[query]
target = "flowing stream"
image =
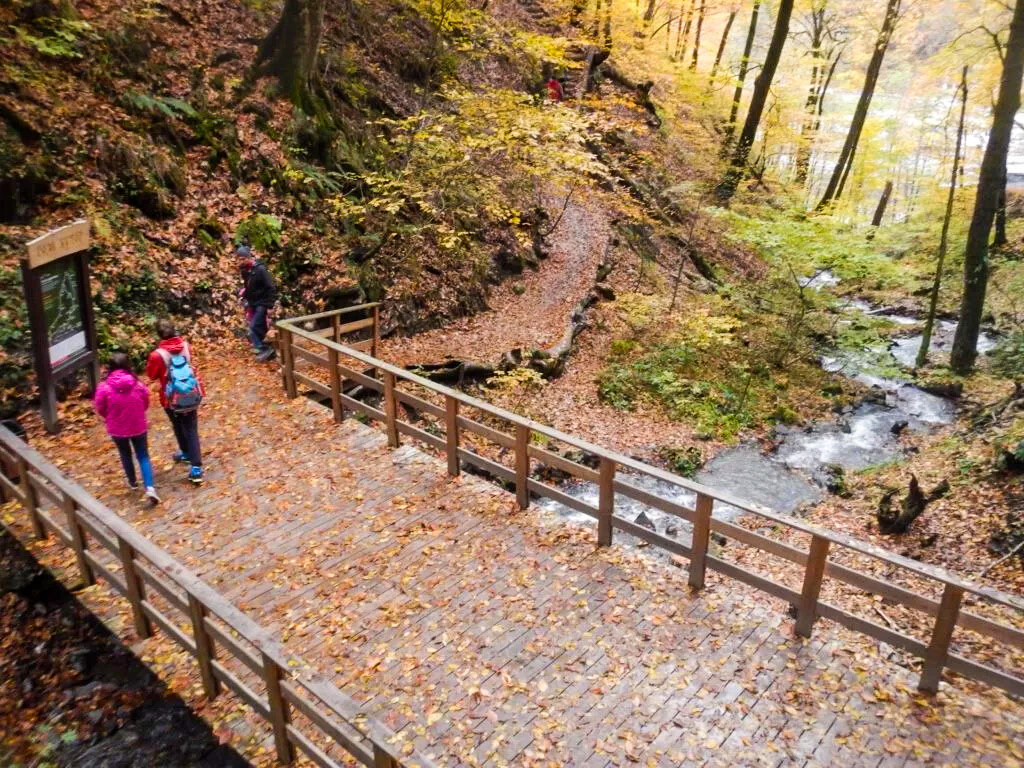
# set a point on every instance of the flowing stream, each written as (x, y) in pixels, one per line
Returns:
(797, 473)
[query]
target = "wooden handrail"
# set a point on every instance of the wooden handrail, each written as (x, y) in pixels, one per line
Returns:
(858, 545)
(129, 548)
(816, 562)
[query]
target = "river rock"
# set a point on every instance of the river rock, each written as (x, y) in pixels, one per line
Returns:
(645, 521)
(671, 530)
(899, 426)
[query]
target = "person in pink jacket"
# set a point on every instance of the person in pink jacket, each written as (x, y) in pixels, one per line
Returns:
(122, 401)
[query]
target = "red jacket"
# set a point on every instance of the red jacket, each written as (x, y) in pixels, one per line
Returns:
(156, 368)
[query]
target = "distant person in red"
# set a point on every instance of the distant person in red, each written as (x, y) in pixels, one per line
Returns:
(555, 90)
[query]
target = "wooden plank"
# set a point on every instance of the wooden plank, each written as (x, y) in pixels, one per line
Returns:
(495, 436)
(231, 645)
(153, 578)
(361, 346)
(419, 404)
(288, 363)
(100, 569)
(554, 494)
(335, 374)
(491, 467)
(309, 356)
(335, 328)
(309, 749)
(356, 325)
(240, 689)
(606, 503)
(762, 583)
(813, 573)
(60, 242)
(29, 499)
(552, 459)
(342, 733)
(986, 675)
(382, 758)
(522, 466)
(169, 627)
(869, 628)
(272, 675)
(360, 378)
(651, 500)
(451, 442)
(942, 634)
(334, 312)
(316, 386)
(134, 589)
(375, 345)
(358, 405)
(701, 532)
(422, 435)
(651, 537)
(390, 410)
(44, 489)
(205, 651)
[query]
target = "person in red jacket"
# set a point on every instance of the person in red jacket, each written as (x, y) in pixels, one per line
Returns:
(185, 425)
(555, 90)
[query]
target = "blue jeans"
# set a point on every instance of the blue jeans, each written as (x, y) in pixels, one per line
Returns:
(258, 328)
(186, 432)
(124, 448)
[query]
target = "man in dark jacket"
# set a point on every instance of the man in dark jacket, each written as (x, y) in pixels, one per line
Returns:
(260, 294)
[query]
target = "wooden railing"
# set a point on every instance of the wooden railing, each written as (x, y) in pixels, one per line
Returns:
(231, 650)
(301, 341)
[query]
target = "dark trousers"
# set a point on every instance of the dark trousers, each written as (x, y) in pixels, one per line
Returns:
(124, 448)
(258, 328)
(186, 432)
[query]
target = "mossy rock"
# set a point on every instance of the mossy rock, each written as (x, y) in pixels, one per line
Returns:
(146, 177)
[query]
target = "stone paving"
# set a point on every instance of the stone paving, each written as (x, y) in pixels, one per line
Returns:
(492, 636)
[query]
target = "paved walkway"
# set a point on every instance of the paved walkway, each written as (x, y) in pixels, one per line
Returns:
(496, 637)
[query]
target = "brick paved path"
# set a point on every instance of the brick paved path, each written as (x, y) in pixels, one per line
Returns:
(497, 637)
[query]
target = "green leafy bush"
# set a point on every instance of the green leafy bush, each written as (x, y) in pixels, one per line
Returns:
(1008, 357)
(262, 232)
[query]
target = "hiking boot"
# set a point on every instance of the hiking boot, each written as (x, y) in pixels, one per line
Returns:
(151, 495)
(179, 458)
(266, 355)
(196, 475)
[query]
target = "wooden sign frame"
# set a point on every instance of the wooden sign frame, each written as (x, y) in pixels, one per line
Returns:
(55, 274)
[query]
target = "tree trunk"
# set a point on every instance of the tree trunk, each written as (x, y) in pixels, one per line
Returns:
(289, 51)
(933, 302)
(999, 238)
(652, 6)
(737, 97)
(684, 33)
(993, 171)
(721, 47)
(757, 102)
(842, 169)
(820, 81)
(883, 203)
(696, 36)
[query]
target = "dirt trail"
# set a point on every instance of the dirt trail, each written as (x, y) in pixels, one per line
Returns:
(534, 318)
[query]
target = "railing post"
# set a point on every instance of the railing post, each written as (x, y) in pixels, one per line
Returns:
(332, 361)
(382, 759)
(808, 609)
(606, 502)
(134, 588)
(701, 534)
(336, 328)
(288, 363)
(204, 648)
(938, 649)
(376, 332)
(78, 541)
(278, 710)
(390, 409)
(29, 499)
(522, 465)
(451, 436)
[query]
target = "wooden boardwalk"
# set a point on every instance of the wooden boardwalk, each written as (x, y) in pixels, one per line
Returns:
(490, 636)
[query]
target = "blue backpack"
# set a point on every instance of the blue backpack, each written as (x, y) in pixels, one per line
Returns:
(184, 393)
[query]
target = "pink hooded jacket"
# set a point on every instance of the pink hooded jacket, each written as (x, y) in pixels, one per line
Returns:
(122, 400)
